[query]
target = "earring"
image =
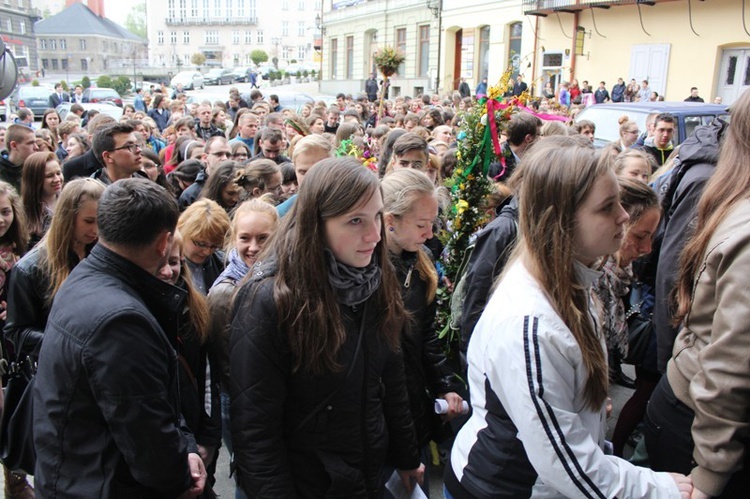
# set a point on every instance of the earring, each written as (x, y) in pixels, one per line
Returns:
(390, 229)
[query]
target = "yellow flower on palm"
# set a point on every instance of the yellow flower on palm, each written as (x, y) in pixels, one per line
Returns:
(462, 204)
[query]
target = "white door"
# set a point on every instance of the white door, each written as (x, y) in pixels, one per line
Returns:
(734, 74)
(650, 62)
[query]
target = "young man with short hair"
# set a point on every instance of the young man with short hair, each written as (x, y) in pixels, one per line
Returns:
(20, 144)
(248, 127)
(118, 149)
(272, 145)
(107, 402)
(664, 128)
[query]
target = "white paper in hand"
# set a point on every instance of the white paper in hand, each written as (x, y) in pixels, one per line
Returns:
(398, 491)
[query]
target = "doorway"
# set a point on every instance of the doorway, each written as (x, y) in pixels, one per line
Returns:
(734, 74)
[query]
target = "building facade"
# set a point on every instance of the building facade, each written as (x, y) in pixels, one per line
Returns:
(353, 31)
(672, 44)
(76, 40)
(483, 39)
(227, 31)
(17, 18)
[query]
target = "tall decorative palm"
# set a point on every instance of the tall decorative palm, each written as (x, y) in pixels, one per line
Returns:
(387, 60)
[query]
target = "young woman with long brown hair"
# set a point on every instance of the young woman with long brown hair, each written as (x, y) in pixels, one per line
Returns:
(537, 359)
(319, 401)
(697, 418)
(41, 184)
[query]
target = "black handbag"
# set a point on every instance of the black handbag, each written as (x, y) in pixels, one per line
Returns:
(640, 330)
(16, 435)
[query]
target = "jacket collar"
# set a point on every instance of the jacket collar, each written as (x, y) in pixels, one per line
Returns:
(161, 298)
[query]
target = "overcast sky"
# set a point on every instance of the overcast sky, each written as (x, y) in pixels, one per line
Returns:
(117, 10)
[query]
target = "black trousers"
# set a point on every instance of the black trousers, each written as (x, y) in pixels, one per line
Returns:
(669, 440)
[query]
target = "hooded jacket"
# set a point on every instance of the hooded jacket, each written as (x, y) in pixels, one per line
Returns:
(9, 172)
(694, 165)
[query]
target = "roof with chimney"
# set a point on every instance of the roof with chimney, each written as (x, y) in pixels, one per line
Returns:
(79, 20)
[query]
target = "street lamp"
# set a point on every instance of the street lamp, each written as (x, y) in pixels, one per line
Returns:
(320, 32)
(276, 41)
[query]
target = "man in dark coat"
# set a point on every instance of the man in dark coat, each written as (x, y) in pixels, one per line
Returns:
(463, 89)
(371, 88)
(107, 421)
(58, 97)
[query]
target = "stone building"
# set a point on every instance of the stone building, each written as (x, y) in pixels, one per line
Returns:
(17, 18)
(78, 40)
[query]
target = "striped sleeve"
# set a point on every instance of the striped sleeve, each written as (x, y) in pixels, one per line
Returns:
(535, 372)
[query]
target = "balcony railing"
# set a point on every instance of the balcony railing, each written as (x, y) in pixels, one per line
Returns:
(211, 21)
(545, 7)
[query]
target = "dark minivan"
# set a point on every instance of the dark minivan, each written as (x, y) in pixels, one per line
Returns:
(689, 115)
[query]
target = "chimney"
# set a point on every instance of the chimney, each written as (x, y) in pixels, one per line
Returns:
(96, 6)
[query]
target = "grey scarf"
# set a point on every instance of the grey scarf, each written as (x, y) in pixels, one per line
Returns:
(352, 285)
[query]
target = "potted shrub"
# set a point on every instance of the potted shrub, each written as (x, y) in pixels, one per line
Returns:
(387, 60)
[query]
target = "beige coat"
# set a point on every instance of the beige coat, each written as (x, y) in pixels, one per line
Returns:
(710, 370)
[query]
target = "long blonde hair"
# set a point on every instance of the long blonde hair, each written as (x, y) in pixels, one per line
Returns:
(729, 184)
(196, 303)
(558, 176)
(401, 190)
(58, 242)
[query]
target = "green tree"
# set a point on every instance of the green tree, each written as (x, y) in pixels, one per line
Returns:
(136, 20)
(198, 59)
(258, 56)
(104, 81)
(86, 82)
(121, 84)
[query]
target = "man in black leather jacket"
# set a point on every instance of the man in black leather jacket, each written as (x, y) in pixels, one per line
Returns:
(106, 405)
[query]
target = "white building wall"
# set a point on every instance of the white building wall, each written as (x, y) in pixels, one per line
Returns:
(233, 28)
(374, 24)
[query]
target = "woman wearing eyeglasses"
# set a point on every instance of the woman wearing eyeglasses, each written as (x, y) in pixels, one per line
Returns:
(204, 226)
(628, 132)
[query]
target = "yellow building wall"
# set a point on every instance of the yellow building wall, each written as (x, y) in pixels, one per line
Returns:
(693, 60)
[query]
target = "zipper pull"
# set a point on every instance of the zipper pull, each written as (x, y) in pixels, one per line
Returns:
(407, 281)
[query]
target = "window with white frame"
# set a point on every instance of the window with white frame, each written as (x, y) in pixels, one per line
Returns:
(53, 44)
(170, 9)
(186, 59)
(10, 25)
(212, 37)
(235, 37)
(205, 13)
(248, 37)
(173, 37)
(217, 8)
(284, 28)
(241, 8)
(183, 9)
(82, 42)
(251, 11)
(301, 5)
(194, 8)
(285, 5)
(23, 26)
(42, 44)
(228, 8)
(259, 36)
(84, 64)
(63, 44)
(248, 59)
(300, 28)
(318, 5)
(285, 52)
(159, 39)
(186, 37)
(301, 52)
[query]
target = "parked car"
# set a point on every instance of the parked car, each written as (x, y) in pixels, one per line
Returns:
(242, 74)
(100, 94)
(34, 98)
(264, 71)
(105, 107)
(190, 80)
(290, 100)
(219, 76)
(4, 105)
(689, 115)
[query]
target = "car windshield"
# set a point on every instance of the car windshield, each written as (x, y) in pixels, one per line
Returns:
(607, 127)
(216, 72)
(106, 92)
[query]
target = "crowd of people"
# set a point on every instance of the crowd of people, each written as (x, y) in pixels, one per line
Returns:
(236, 275)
